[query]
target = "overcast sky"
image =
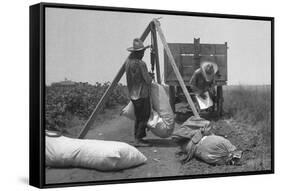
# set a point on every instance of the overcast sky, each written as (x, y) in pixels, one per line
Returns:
(90, 46)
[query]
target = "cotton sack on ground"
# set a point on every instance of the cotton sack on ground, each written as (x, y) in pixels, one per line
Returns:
(97, 154)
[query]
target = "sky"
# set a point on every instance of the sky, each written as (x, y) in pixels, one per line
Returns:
(90, 46)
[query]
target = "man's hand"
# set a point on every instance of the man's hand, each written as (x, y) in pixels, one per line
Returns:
(212, 91)
(151, 74)
(203, 95)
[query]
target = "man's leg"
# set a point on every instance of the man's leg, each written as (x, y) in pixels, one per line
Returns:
(146, 110)
(140, 123)
(140, 130)
(212, 93)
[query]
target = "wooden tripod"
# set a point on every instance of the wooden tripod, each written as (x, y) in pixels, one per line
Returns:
(153, 28)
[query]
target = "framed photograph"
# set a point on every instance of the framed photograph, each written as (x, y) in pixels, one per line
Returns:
(122, 95)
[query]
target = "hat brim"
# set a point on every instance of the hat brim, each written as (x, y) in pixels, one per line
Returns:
(132, 49)
(208, 77)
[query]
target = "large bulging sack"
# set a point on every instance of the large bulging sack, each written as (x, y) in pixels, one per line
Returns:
(215, 149)
(161, 104)
(161, 121)
(155, 123)
(97, 154)
(158, 127)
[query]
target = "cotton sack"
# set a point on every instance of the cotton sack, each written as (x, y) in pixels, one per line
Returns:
(97, 154)
(161, 121)
(214, 149)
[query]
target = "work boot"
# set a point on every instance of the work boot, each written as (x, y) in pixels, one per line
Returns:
(141, 143)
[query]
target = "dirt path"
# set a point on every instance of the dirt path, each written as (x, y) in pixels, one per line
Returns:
(161, 156)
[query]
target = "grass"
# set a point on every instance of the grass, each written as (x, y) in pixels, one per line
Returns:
(250, 107)
(251, 104)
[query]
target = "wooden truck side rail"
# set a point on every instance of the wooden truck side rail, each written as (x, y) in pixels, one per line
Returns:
(188, 57)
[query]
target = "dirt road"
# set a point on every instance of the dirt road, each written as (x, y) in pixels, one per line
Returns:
(161, 156)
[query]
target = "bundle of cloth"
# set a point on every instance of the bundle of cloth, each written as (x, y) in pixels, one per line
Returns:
(205, 146)
(101, 155)
(161, 122)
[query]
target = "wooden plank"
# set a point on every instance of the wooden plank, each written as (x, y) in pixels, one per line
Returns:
(220, 83)
(176, 83)
(189, 48)
(152, 60)
(169, 72)
(155, 47)
(186, 48)
(207, 58)
(207, 49)
(188, 66)
(107, 93)
(222, 64)
(166, 68)
(152, 53)
(175, 68)
(221, 48)
(225, 61)
(172, 96)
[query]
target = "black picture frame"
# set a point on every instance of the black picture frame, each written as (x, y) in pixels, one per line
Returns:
(37, 92)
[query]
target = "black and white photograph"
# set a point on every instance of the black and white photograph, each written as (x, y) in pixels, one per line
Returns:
(140, 95)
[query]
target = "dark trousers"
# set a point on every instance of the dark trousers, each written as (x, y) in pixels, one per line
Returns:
(142, 112)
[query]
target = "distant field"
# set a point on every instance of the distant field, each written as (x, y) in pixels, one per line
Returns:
(251, 104)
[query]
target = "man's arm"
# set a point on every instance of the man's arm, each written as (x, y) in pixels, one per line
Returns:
(193, 82)
(212, 86)
(145, 73)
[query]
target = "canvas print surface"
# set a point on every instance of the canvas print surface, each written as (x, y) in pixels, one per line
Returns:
(122, 91)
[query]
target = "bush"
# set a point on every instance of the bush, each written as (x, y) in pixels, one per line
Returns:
(64, 102)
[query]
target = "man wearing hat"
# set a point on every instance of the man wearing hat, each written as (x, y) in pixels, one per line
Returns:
(202, 80)
(139, 82)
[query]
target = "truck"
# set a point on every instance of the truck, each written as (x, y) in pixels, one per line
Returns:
(188, 57)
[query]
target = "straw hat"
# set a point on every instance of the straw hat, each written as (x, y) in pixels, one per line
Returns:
(209, 69)
(137, 46)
